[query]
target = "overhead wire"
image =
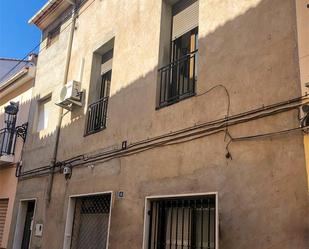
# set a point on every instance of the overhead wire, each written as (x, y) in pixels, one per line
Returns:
(40, 43)
(220, 125)
(182, 137)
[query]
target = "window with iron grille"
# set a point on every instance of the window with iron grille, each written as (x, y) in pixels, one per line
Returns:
(178, 78)
(97, 110)
(91, 220)
(178, 223)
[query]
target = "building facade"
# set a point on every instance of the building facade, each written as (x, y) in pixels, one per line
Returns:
(15, 96)
(165, 124)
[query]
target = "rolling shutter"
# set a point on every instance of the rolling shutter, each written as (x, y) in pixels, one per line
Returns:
(185, 17)
(107, 62)
(3, 209)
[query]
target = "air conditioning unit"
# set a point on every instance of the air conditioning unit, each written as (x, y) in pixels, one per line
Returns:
(70, 95)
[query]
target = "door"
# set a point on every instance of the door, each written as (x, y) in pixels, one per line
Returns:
(91, 221)
(28, 225)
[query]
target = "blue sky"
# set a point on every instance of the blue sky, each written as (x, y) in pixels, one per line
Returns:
(17, 37)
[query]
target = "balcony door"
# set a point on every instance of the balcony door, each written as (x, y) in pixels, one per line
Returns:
(97, 111)
(178, 78)
(105, 85)
(184, 56)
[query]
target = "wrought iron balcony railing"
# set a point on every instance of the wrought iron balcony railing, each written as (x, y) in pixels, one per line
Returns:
(177, 79)
(96, 116)
(7, 141)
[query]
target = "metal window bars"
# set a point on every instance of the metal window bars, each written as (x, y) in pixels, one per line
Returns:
(96, 116)
(177, 79)
(186, 223)
(90, 224)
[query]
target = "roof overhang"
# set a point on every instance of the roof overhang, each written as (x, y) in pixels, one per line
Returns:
(17, 80)
(49, 12)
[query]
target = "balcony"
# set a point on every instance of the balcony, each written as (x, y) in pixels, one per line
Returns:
(96, 116)
(7, 146)
(177, 80)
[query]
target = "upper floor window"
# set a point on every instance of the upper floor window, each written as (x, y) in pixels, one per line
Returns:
(44, 107)
(185, 222)
(177, 79)
(53, 36)
(100, 89)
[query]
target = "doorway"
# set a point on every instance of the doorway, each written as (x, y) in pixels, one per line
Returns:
(24, 224)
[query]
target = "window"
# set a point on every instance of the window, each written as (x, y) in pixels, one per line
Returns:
(178, 78)
(53, 36)
(3, 210)
(99, 94)
(187, 222)
(90, 223)
(44, 107)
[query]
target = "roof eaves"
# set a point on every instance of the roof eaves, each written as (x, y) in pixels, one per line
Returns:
(44, 11)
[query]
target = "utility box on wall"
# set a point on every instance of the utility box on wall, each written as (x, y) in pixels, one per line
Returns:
(38, 230)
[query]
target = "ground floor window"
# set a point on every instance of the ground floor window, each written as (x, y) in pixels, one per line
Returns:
(183, 222)
(91, 222)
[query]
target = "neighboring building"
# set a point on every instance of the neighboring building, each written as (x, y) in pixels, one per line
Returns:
(16, 83)
(303, 53)
(165, 124)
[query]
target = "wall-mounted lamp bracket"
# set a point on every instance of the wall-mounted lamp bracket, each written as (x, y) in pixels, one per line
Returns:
(21, 131)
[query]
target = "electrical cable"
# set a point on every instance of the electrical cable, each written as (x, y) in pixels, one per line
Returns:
(225, 122)
(116, 153)
(213, 129)
(264, 135)
(40, 43)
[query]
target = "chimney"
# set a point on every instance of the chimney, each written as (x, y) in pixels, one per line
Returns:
(33, 57)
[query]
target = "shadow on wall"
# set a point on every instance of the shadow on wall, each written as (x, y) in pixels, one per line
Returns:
(253, 55)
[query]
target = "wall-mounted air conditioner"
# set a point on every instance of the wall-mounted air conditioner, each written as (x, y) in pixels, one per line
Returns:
(70, 95)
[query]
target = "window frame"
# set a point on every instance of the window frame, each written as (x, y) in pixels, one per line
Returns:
(53, 35)
(100, 102)
(40, 102)
(149, 199)
(19, 225)
(71, 212)
(169, 76)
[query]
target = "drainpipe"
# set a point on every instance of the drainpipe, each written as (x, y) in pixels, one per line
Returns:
(61, 114)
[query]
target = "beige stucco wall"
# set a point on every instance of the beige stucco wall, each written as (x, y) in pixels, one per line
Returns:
(303, 39)
(8, 181)
(248, 46)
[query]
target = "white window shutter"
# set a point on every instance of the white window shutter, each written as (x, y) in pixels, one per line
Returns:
(106, 66)
(185, 20)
